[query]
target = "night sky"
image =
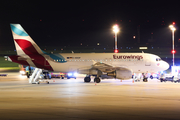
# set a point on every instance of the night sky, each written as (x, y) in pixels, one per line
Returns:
(90, 22)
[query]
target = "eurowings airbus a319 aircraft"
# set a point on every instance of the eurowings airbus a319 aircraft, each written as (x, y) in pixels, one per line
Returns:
(116, 65)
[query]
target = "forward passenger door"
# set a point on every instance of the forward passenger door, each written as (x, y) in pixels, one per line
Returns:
(147, 60)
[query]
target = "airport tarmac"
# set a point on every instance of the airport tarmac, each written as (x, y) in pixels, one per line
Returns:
(75, 100)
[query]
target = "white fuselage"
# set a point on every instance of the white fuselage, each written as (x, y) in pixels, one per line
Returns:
(137, 62)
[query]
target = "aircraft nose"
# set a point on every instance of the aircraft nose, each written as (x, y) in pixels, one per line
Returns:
(165, 65)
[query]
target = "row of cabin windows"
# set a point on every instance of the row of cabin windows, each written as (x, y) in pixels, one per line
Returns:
(100, 60)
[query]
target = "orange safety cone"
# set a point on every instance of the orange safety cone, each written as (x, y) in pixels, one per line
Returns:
(121, 80)
(133, 81)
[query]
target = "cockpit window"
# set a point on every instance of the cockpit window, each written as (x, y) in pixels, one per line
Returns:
(158, 59)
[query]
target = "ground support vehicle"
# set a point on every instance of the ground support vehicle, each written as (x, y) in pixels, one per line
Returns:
(64, 75)
(171, 78)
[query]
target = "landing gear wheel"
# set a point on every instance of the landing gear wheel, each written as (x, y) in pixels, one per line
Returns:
(97, 80)
(47, 82)
(145, 80)
(87, 79)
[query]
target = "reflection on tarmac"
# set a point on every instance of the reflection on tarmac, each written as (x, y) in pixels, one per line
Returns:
(73, 99)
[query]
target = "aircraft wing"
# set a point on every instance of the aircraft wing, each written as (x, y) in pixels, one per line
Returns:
(104, 67)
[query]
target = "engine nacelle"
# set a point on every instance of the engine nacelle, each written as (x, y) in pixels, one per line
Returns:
(121, 74)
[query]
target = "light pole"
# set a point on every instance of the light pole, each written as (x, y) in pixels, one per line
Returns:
(173, 51)
(116, 30)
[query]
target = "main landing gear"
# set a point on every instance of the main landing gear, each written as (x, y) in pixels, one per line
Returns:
(97, 80)
(88, 79)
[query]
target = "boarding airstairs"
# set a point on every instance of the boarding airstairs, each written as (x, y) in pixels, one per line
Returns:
(36, 77)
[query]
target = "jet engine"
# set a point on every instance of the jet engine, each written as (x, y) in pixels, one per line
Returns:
(121, 74)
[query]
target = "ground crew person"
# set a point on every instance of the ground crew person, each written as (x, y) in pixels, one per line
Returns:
(27, 71)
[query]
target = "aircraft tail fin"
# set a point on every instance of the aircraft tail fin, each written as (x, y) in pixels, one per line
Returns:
(28, 52)
(23, 42)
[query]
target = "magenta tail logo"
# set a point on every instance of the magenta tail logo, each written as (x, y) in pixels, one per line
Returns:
(37, 58)
(26, 46)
